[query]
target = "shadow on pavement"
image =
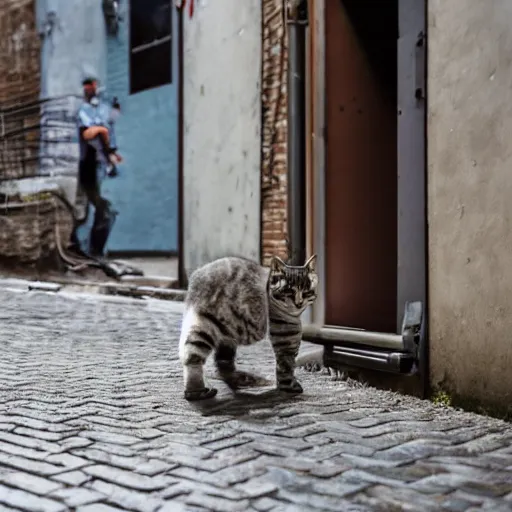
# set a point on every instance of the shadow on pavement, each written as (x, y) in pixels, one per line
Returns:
(242, 403)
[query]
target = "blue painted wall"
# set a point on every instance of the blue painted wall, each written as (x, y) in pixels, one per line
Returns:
(146, 191)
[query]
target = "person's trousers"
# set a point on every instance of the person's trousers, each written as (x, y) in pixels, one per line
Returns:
(91, 234)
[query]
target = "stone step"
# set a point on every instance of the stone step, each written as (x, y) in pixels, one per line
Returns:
(152, 281)
(121, 289)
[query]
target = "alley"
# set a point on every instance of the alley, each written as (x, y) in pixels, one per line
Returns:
(92, 419)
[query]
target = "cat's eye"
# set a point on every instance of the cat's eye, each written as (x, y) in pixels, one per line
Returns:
(275, 280)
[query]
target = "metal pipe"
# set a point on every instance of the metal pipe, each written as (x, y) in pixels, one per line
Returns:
(297, 22)
(340, 335)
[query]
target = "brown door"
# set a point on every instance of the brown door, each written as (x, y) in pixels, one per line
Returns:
(361, 164)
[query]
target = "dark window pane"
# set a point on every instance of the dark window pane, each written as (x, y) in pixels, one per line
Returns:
(150, 68)
(150, 44)
(149, 20)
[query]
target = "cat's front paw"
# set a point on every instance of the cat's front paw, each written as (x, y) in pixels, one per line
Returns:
(290, 386)
(200, 394)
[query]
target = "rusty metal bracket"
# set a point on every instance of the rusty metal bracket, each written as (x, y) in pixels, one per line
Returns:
(112, 16)
(297, 12)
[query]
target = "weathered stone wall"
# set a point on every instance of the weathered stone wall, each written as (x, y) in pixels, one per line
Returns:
(469, 198)
(274, 130)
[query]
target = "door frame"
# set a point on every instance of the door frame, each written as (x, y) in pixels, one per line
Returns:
(182, 274)
(316, 113)
(315, 179)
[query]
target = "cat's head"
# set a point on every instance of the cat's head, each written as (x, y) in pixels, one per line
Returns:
(293, 287)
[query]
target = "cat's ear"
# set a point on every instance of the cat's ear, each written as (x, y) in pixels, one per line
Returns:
(311, 263)
(277, 264)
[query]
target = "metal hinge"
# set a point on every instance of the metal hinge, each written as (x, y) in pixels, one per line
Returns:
(419, 62)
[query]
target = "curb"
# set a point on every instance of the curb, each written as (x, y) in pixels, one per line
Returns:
(125, 290)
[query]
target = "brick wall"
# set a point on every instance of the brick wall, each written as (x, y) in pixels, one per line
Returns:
(20, 59)
(274, 151)
(20, 48)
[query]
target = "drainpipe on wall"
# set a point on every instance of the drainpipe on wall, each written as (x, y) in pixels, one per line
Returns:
(297, 22)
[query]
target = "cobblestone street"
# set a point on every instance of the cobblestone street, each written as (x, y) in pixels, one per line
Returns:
(92, 419)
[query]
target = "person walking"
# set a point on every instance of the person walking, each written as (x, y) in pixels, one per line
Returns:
(98, 158)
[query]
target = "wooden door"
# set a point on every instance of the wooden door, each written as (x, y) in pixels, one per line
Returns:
(361, 167)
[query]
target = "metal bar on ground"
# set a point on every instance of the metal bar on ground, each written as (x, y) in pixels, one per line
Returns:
(391, 362)
(318, 334)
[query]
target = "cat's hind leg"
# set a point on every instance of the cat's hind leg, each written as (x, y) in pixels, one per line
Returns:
(225, 356)
(196, 344)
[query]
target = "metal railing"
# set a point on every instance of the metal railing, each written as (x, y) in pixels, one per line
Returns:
(39, 138)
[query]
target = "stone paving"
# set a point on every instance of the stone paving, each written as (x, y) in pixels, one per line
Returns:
(92, 419)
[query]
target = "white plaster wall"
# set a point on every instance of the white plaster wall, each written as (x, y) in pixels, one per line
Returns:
(470, 197)
(222, 118)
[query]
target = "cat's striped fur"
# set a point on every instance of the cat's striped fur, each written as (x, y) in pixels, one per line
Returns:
(233, 301)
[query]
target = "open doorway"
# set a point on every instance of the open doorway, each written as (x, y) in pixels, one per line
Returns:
(361, 164)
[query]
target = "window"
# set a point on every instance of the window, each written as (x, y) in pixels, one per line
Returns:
(150, 44)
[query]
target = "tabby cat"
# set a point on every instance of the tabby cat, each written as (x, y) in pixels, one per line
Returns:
(233, 301)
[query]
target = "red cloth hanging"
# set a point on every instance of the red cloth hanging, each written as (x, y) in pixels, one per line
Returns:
(180, 4)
